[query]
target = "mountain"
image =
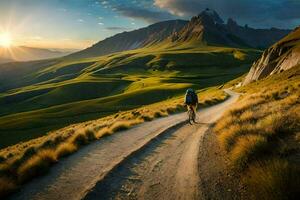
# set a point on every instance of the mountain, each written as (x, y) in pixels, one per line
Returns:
(209, 28)
(152, 34)
(282, 56)
(23, 53)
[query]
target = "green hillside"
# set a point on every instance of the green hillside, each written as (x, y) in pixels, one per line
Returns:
(59, 92)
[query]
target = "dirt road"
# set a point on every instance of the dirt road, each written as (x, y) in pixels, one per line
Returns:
(155, 160)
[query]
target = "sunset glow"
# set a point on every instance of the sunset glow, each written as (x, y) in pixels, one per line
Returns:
(5, 40)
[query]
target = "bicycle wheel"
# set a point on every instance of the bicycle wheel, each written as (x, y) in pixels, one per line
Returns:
(191, 116)
(194, 116)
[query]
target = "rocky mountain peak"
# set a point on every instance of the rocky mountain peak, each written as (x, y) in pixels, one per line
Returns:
(231, 22)
(211, 16)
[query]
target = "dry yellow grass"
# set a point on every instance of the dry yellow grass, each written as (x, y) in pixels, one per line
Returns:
(246, 148)
(65, 149)
(124, 125)
(261, 136)
(247, 116)
(36, 165)
(7, 186)
(274, 179)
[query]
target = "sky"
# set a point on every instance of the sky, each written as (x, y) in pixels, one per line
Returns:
(77, 24)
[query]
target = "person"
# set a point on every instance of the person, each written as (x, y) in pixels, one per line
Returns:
(191, 100)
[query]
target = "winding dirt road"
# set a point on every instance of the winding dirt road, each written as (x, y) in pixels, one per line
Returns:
(154, 160)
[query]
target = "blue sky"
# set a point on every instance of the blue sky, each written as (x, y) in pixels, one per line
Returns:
(80, 23)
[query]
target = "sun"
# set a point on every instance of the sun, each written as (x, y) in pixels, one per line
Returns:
(5, 40)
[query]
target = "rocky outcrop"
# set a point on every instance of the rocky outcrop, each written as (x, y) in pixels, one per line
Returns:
(282, 56)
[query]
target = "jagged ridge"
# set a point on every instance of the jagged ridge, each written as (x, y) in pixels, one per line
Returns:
(208, 28)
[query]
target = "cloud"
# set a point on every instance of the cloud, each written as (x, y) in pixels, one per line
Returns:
(150, 16)
(117, 28)
(285, 13)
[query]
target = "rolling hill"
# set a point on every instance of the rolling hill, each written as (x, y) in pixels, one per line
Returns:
(23, 53)
(68, 92)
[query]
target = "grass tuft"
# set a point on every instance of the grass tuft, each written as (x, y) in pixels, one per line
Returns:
(274, 179)
(7, 186)
(246, 148)
(37, 165)
(65, 149)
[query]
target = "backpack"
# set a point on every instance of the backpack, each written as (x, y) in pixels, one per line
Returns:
(191, 97)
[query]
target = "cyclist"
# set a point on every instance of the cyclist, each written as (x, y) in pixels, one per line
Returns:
(191, 100)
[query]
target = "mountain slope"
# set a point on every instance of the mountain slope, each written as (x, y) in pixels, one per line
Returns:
(132, 40)
(209, 29)
(282, 56)
(23, 53)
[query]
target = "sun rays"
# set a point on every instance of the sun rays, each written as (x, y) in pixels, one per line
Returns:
(5, 40)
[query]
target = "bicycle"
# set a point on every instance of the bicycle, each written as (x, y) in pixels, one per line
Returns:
(191, 115)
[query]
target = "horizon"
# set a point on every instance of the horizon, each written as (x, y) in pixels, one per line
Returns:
(78, 24)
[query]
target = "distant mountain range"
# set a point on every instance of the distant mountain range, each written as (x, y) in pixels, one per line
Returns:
(23, 53)
(208, 28)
